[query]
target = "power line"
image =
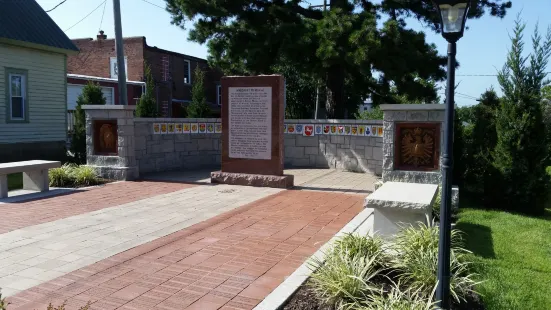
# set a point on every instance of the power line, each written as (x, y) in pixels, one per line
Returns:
(487, 74)
(55, 7)
(86, 16)
(102, 14)
(160, 7)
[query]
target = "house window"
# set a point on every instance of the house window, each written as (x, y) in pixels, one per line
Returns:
(17, 95)
(187, 72)
(219, 94)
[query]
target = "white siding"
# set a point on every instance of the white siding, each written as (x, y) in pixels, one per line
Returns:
(74, 90)
(46, 95)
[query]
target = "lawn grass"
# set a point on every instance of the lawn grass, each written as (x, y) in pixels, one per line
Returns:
(15, 181)
(513, 255)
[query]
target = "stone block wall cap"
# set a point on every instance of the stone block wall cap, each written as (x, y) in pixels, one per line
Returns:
(109, 107)
(402, 196)
(412, 107)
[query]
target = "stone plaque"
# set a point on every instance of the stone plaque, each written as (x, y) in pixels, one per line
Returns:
(417, 146)
(105, 137)
(250, 122)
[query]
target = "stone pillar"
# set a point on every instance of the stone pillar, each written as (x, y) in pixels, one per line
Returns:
(110, 144)
(412, 140)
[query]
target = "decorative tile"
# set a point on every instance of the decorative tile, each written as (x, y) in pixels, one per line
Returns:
(163, 128)
(379, 131)
(341, 129)
(284, 128)
(178, 128)
(291, 128)
(347, 130)
(194, 128)
(319, 129)
(218, 128)
(373, 131)
(308, 130)
(202, 127)
(210, 128)
(354, 130)
(170, 128)
(326, 129)
(299, 129)
(334, 130)
(156, 128)
(368, 130)
(187, 128)
(361, 130)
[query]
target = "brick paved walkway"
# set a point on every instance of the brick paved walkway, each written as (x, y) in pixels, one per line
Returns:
(231, 261)
(18, 215)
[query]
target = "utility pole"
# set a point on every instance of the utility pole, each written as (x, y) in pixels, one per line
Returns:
(119, 47)
(317, 86)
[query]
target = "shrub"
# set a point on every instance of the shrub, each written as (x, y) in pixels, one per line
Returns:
(416, 260)
(397, 299)
(353, 245)
(374, 113)
(71, 175)
(91, 94)
(521, 150)
(61, 177)
(3, 303)
(62, 307)
(198, 106)
(342, 279)
(147, 106)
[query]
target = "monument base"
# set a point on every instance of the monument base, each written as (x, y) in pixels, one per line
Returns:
(258, 180)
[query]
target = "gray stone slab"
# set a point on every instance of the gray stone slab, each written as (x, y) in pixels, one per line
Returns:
(403, 196)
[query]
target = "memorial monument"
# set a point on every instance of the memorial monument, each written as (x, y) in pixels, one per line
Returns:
(253, 114)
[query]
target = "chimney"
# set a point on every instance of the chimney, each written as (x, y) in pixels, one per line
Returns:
(101, 36)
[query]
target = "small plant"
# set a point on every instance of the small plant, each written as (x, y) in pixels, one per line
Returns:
(397, 299)
(84, 175)
(198, 106)
(62, 307)
(71, 175)
(3, 303)
(416, 260)
(147, 106)
(344, 280)
(362, 246)
(60, 177)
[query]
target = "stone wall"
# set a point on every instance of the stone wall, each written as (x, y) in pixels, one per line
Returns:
(171, 149)
(359, 153)
(157, 152)
(409, 113)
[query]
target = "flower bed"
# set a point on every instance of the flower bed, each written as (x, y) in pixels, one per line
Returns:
(368, 273)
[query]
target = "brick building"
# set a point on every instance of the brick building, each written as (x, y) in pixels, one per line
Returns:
(173, 72)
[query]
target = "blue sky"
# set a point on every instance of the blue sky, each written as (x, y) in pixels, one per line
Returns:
(482, 51)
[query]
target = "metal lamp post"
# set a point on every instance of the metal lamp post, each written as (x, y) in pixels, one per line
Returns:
(453, 14)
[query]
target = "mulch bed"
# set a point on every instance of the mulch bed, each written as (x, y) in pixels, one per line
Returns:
(305, 299)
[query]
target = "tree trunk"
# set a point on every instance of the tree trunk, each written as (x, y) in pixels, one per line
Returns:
(335, 92)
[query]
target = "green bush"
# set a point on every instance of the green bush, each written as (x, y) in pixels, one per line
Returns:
(375, 113)
(61, 177)
(198, 106)
(147, 106)
(416, 260)
(344, 280)
(397, 299)
(91, 94)
(3, 303)
(355, 245)
(71, 175)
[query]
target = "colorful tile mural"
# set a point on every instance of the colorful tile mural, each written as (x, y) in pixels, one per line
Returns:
(218, 128)
(178, 128)
(156, 128)
(163, 128)
(194, 128)
(308, 130)
(210, 128)
(187, 128)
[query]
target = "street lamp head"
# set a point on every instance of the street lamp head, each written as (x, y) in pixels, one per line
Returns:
(453, 14)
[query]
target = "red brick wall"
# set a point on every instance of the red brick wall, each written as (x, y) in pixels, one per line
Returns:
(134, 91)
(93, 58)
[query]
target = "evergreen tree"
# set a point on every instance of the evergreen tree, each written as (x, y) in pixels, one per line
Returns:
(198, 106)
(91, 94)
(147, 106)
(359, 49)
(521, 150)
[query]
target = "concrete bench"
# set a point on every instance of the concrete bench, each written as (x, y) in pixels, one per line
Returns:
(396, 203)
(35, 174)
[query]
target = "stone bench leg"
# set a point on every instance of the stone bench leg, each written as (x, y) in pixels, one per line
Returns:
(3, 186)
(36, 180)
(387, 222)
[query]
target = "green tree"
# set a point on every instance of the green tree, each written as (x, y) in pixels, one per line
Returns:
(147, 106)
(521, 150)
(91, 94)
(198, 106)
(357, 48)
